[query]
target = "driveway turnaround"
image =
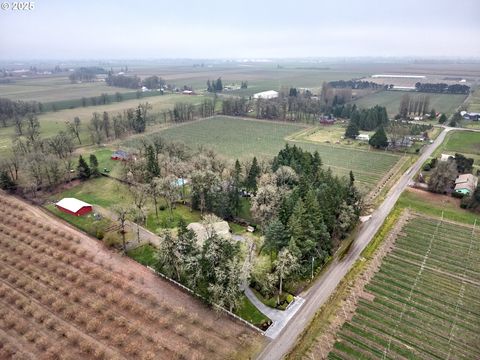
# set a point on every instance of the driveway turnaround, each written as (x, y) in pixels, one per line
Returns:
(280, 318)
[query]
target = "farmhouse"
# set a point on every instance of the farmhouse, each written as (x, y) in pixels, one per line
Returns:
(270, 94)
(466, 184)
(73, 206)
(363, 137)
(205, 231)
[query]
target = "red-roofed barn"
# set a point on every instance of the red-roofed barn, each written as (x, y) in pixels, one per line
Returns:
(74, 206)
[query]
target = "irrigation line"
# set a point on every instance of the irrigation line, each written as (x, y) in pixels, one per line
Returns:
(461, 293)
(406, 304)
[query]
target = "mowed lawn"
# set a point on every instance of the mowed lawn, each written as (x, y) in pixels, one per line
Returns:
(444, 103)
(423, 302)
(240, 138)
(474, 101)
(463, 142)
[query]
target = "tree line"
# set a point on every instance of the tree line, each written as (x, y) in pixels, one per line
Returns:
(214, 86)
(86, 74)
(355, 84)
(442, 88)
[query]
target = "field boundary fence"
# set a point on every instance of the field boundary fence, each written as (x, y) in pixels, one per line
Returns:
(221, 308)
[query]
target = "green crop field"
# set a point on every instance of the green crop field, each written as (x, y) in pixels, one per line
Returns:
(240, 138)
(54, 88)
(424, 302)
(445, 103)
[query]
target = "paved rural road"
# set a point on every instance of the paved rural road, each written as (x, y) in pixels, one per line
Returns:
(325, 285)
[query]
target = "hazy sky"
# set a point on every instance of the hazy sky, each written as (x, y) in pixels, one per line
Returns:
(240, 29)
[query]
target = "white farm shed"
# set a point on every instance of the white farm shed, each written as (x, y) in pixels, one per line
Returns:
(270, 94)
(363, 137)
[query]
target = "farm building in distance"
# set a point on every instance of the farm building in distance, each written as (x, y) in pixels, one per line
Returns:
(119, 155)
(327, 119)
(73, 206)
(471, 116)
(270, 94)
(466, 184)
(363, 137)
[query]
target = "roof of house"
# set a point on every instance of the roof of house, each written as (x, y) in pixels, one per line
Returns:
(72, 204)
(203, 231)
(466, 181)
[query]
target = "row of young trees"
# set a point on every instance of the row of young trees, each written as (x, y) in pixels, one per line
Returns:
(414, 104)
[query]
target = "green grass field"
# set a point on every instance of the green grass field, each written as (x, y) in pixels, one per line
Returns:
(465, 142)
(445, 103)
(424, 301)
(436, 205)
(240, 138)
(101, 191)
(474, 101)
(54, 88)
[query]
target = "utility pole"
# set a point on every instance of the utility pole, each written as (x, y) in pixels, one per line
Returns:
(313, 259)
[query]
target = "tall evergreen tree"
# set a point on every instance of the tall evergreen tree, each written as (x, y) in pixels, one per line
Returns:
(83, 169)
(352, 130)
(379, 139)
(276, 237)
(253, 173)
(219, 85)
(153, 169)
(94, 165)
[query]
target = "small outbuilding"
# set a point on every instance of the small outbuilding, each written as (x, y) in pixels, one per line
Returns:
(119, 155)
(74, 206)
(446, 157)
(363, 137)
